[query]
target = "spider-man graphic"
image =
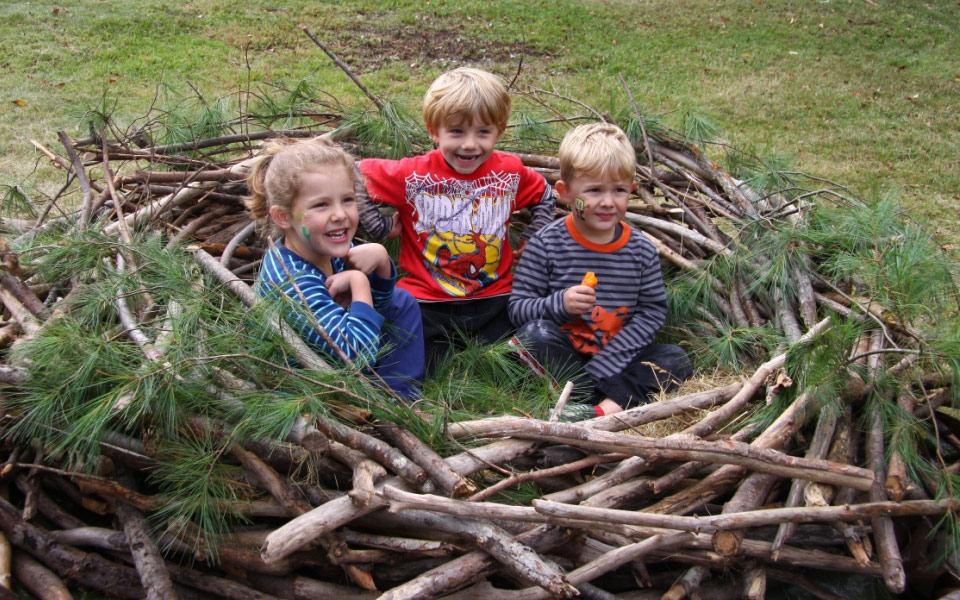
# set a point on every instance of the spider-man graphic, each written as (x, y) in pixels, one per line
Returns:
(465, 266)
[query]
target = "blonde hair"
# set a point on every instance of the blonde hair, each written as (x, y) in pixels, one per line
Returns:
(597, 148)
(465, 96)
(274, 179)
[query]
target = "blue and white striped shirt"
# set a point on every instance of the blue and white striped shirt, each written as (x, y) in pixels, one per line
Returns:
(356, 331)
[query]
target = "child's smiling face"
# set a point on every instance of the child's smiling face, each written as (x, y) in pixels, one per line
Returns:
(464, 146)
(323, 216)
(598, 203)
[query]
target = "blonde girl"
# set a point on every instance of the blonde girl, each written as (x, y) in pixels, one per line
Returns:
(304, 192)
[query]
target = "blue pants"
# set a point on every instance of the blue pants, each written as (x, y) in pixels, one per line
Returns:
(401, 365)
(657, 367)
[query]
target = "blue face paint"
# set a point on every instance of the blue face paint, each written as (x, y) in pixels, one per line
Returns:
(305, 233)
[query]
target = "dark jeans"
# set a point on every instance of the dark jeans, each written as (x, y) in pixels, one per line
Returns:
(401, 366)
(483, 318)
(657, 367)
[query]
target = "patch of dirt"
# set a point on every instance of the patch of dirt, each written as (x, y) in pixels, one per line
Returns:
(447, 43)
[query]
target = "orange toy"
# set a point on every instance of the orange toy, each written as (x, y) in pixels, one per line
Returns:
(589, 279)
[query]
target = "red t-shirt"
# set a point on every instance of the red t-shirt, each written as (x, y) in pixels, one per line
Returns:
(454, 227)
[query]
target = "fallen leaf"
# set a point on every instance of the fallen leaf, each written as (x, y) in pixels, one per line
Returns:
(56, 11)
(948, 247)
(61, 84)
(19, 102)
(112, 80)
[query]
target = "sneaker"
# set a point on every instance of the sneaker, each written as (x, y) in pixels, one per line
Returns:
(577, 411)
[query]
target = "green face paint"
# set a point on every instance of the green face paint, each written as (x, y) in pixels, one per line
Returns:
(305, 233)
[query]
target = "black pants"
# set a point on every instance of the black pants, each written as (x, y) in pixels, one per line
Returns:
(657, 367)
(482, 318)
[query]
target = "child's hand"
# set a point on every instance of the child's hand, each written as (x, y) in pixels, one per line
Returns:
(349, 286)
(519, 251)
(369, 258)
(579, 299)
(395, 228)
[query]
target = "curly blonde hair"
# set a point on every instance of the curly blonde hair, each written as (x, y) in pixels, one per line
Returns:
(274, 178)
(464, 96)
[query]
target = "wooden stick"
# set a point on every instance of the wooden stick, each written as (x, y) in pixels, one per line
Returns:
(304, 355)
(440, 473)
(819, 445)
(39, 580)
(683, 448)
(87, 569)
(883, 533)
(376, 449)
(561, 401)
(688, 584)
(6, 561)
(343, 66)
(750, 495)
(146, 556)
(755, 582)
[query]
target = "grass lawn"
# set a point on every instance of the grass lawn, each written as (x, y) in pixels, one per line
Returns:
(864, 93)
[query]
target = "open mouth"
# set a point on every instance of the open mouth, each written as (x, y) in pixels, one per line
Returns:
(467, 159)
(338, 235)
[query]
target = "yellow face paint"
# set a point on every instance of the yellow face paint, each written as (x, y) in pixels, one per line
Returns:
(578, 206)
(300, 215)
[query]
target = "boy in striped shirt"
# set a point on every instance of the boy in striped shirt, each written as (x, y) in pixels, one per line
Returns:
(605, 333)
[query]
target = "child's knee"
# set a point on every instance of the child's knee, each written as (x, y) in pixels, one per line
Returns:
(674, 360)
(539, 331)
(404, 305)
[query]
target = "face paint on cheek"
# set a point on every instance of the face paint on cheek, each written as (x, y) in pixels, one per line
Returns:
(306, 234)
(578, 206)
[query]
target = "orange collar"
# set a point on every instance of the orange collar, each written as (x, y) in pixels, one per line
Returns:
(613, 246)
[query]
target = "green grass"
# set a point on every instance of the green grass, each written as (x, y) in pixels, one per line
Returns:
(857, 92)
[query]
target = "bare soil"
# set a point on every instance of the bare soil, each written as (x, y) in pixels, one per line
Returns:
(446, 42)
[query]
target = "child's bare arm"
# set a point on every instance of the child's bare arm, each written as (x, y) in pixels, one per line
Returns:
(349, 286)
(371, 258)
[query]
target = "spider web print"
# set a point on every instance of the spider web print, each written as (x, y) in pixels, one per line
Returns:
(462, 207)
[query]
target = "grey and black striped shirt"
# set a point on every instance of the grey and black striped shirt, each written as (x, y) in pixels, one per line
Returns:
(631, 300)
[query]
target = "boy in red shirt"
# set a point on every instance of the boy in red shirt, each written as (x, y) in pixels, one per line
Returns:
(453, 210)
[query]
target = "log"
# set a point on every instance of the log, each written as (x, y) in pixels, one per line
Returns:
(740, 520)
(754, 582)
(153, 574)
(685, 448)
(376, 449)
(304, 588)
(39, 580)
(888, 550)
(819, 446)
(86, 569)
(688, 584)
(440, 473)
(750, 495)
(731, 408)
(6, 562)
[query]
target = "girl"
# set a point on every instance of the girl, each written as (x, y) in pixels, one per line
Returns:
(304, 192)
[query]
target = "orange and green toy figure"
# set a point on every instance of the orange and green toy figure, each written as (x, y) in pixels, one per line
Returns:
(589, 279)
